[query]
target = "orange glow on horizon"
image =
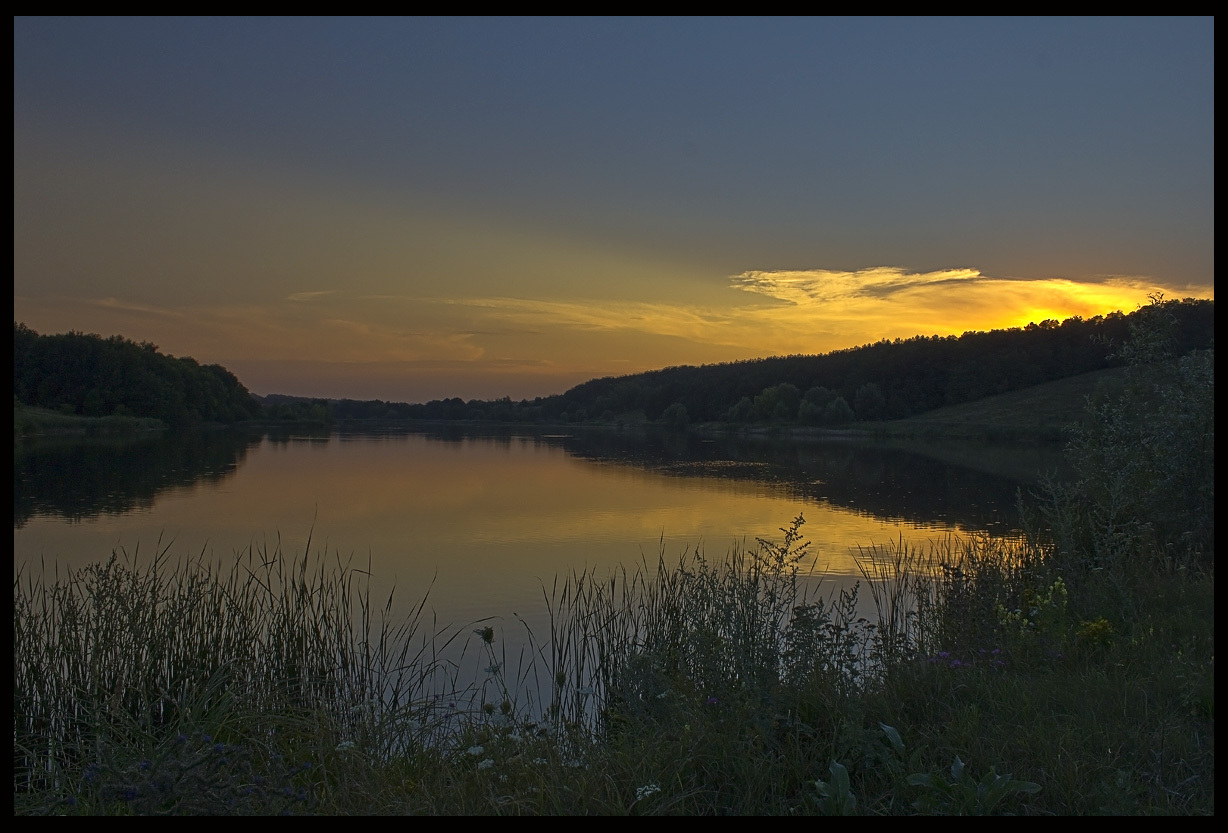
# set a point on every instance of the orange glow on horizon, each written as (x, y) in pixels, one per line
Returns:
(330, 343)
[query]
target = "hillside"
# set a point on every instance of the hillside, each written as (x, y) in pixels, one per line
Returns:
(1040, 412)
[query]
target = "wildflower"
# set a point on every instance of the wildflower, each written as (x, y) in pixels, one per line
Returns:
(487, 633)
(493, 668)
(643, 792)
(144, 765)
(712, 701)
(475, 750)
(485, 764)
(586, 691)
(219, 748)
(345, 745)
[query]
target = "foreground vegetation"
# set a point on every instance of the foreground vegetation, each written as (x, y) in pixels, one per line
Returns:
(1071, 671)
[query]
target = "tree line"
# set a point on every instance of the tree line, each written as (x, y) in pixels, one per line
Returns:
(92, 376)
(88, 375)
(879, 381)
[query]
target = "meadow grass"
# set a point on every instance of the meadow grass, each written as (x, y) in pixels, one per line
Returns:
(29, 421)
(694, 687)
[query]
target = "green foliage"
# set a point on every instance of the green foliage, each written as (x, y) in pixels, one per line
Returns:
(838, 412)
(1145, 456)
(869, 402)
(778, 402)
(87, 375)
(675, 416)
(836, 799)
(742, 410)
(962, 795)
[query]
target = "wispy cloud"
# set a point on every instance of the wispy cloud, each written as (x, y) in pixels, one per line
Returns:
(128, 306)
(806, 286)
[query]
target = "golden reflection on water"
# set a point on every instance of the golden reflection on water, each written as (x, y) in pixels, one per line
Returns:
(486, 524)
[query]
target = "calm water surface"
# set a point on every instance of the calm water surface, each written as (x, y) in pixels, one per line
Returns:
(487, 519)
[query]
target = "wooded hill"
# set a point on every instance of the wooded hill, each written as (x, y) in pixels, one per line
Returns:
(888, 380)
(882, 381)
(88, 375)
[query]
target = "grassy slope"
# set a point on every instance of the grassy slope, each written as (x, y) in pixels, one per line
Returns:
(30, 421)
(1037, 413)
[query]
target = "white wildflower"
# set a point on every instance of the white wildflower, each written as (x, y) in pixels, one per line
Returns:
(475, 750)
(643, 792)
(345, 745)
(486, 764)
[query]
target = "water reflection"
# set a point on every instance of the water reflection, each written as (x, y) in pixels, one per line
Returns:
(81, 477)
(486, 519)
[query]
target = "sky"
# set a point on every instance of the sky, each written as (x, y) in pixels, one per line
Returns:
(418, 208)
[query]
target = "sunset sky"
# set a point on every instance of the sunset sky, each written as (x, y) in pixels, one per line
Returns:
(410, 209)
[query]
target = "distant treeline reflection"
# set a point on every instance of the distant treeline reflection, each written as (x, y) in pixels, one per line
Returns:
(892, 484)
(76, 478)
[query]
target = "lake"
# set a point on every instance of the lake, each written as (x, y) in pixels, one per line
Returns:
(487, 518)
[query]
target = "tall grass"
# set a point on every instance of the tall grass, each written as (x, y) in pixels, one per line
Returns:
(131, 653)
(275, 685)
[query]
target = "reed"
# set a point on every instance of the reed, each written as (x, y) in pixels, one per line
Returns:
(276, 685)
(130, 654)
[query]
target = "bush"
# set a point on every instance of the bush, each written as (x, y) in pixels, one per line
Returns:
(1145, 456)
